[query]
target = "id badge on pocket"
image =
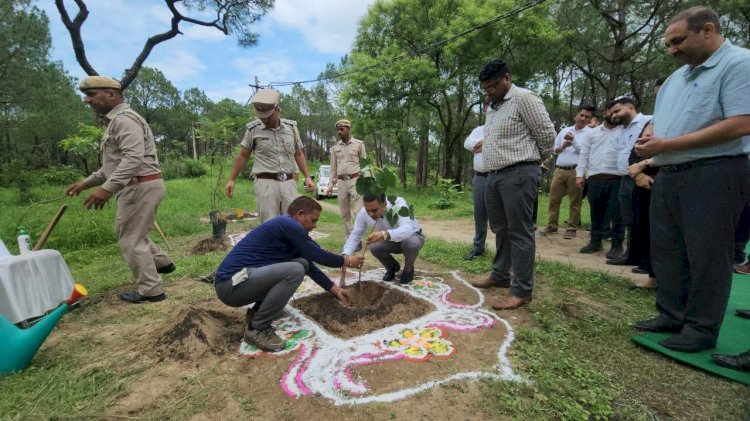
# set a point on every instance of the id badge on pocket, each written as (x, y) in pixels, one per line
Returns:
(240, 277)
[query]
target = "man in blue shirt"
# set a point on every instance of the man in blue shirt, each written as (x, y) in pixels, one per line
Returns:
(268, 265)
(700, 142)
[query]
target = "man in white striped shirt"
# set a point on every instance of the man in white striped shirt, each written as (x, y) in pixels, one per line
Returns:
(518, 135)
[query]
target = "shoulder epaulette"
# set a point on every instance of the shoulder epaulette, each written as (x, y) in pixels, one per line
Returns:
(252, 124)
(287, 121)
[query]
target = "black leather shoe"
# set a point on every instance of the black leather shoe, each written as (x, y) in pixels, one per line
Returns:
(743, 313)
(684, 343)
(591, 248)
(407, 277)
(735, 362)
(656, 325)
(167, 269)
(639, 271)
(474, 253)
(390, 274)
(620, 262)
(136, 298)
(616, 252)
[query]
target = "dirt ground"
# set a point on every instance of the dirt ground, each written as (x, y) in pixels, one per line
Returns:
(183, 352)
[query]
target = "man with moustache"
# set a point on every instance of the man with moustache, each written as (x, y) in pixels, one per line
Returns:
(345, 156)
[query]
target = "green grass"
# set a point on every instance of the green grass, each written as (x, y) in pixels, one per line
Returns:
(580, 366)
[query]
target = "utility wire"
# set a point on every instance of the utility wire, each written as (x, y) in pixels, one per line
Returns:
(402, 56)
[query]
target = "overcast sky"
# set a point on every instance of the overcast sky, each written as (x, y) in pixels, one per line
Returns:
(297, 39)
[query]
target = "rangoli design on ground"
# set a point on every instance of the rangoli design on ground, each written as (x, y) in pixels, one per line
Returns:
(324, 363)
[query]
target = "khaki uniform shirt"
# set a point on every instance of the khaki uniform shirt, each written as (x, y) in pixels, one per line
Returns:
(128, 150)
(345, 158)
(274, 148)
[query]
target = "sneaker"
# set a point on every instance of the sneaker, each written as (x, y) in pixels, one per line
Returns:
(549, 230)
(569, 234)
(615, 252)
(390, 274)
(742, 269)
(265, 339)
(591, 248)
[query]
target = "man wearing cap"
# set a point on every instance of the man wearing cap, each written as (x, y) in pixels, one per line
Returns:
(130, 171)
(345, 156)
(277, 146)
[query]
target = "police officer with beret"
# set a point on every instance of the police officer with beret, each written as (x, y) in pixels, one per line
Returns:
(345, 155)
(277, 146)
(130, 171)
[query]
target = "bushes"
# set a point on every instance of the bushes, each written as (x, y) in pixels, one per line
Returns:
(61, 175)
(182, 168)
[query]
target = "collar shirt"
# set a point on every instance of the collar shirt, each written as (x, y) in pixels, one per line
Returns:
(475, 137)
(599, 152)
(626, 141)
(128, 150)
(345, 158)
(694, 98)
(569, 157)
(405, 227)
(518, 129)
(274, 148)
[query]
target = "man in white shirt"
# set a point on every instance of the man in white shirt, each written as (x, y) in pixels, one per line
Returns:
(567, 147)
(405, 236)
(474, 144)
(632, 122)
(598, 159)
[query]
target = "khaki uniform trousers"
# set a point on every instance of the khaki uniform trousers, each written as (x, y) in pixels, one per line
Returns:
(349, 201)
(564, 183)
(273, 197)
(136, 212)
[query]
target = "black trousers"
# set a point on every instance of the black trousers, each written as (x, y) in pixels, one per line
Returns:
(694, 211)
(605, 208)
(640, 246)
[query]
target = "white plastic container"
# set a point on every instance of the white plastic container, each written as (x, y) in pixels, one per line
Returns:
(24, 241)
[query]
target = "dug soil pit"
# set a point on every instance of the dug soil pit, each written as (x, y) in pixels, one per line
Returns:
(196, 332)
(374, 306)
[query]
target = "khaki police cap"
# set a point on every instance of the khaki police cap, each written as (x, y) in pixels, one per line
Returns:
(99, 82)
(344, 123)
(265, 101)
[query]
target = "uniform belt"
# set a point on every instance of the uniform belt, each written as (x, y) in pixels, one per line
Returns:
(517, 164)
(481, 174)
(282, 176)
(144, 178)
(604, 177)
(348, 176)
(700, 162)
(570, 167)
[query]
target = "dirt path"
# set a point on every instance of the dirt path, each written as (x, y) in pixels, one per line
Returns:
(551, 247)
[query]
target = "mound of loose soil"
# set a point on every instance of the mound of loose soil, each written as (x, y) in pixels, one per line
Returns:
(374, 306)
(233, 216)
(197, 332)
(208, 245)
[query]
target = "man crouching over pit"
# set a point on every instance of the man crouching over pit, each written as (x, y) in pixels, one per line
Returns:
(268, 265)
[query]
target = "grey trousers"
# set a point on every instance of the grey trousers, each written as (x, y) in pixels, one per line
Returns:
(270, 287)
(510, 198)
(384, 250)
(693, 215)
(480, 211)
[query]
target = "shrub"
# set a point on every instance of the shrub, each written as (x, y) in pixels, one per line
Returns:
(182, 168)
(57, 175)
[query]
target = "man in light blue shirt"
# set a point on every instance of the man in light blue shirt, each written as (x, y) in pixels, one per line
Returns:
(701, 140)
(632, 122)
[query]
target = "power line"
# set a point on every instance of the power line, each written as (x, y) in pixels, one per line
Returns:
(402, 56)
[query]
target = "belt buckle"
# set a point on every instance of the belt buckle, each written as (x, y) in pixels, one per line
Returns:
(281, 176)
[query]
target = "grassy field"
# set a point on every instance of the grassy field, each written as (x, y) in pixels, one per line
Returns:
(575, 348)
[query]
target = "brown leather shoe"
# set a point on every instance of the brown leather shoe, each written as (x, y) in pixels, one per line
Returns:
(490, 282)
(511, 302)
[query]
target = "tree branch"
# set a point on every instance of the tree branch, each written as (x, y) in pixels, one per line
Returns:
(74, 28)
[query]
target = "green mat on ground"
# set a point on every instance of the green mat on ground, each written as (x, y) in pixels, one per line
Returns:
(734, 337)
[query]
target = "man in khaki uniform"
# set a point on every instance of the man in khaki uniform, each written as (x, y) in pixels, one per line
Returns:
(130, 171)
(277, 146)
(345, 156)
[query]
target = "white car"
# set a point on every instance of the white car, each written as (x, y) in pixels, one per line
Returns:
(323, 177)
